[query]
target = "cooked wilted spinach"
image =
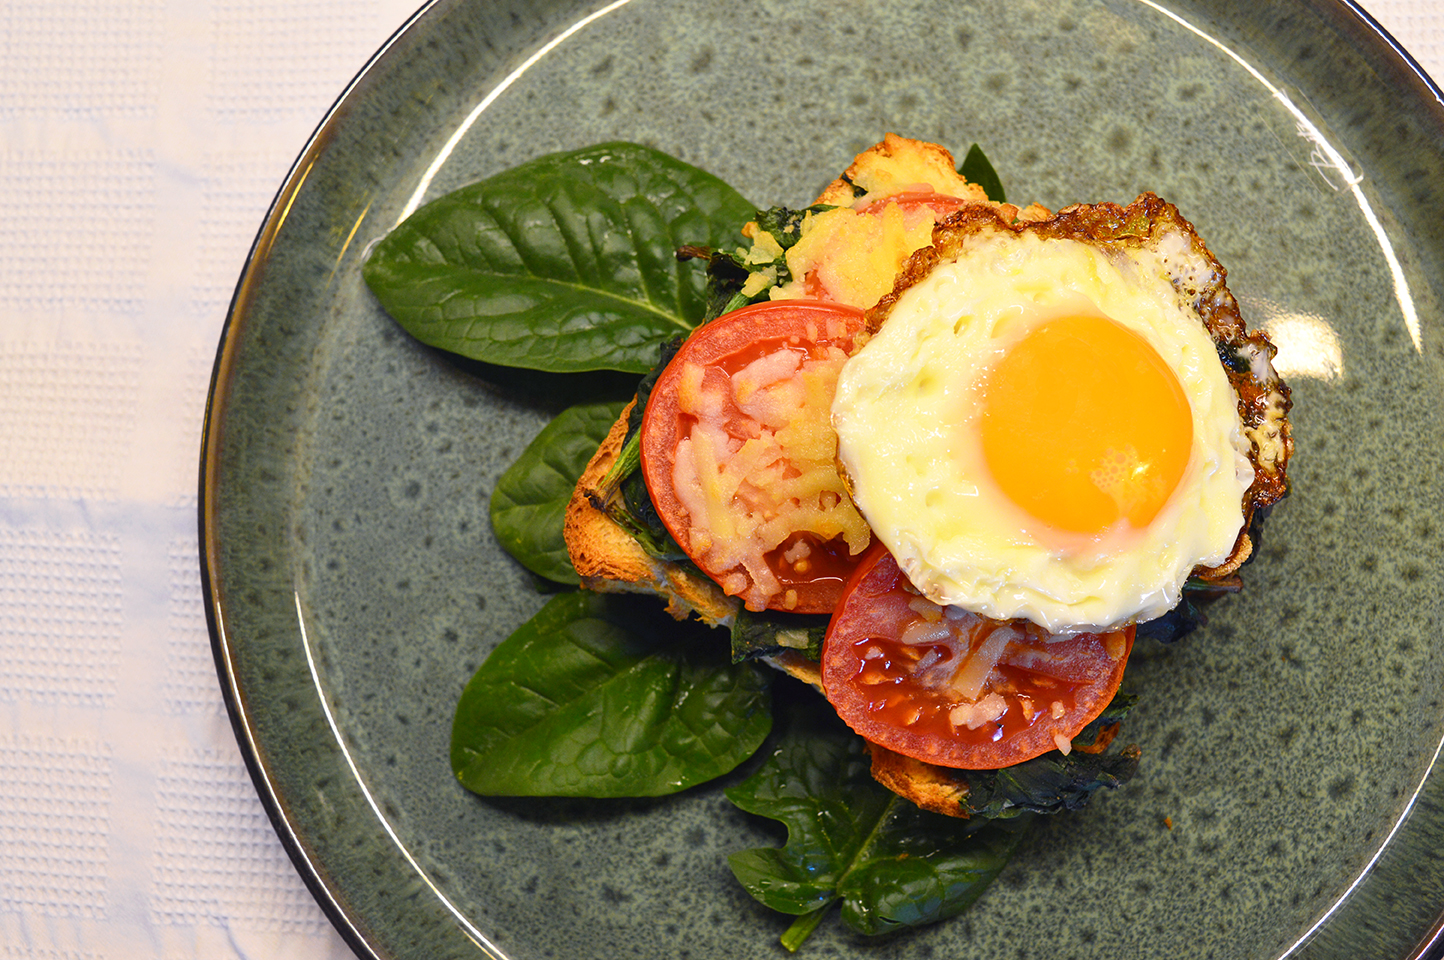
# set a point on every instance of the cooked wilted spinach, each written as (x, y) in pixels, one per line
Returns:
(770, 632)
(1053, 782)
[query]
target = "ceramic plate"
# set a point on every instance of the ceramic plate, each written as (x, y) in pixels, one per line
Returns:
(1287, 801)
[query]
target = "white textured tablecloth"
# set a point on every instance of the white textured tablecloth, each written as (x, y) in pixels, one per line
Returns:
(140, 143)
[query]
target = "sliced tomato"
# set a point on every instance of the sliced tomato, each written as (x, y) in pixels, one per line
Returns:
(738, 454)
(940, 204)
(954, 689)
(832, 279)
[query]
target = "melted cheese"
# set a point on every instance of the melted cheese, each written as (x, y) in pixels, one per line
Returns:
(750, 483)
(854, 256)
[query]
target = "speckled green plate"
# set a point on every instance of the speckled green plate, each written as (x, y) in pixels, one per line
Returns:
(1288, 801)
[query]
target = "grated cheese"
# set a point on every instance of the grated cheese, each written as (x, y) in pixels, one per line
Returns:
(973, 673)
(974, 715)
(758, 467)
(855, 256)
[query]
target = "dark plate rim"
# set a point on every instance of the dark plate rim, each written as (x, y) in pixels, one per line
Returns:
(222, 647)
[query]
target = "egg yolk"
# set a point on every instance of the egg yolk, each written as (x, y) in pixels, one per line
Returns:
(1084, 424)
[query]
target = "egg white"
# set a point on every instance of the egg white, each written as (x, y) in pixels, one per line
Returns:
(906, 415)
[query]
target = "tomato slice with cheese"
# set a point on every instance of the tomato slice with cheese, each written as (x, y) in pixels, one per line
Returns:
(954, 689)
(739, 454)
(851, 255)
(915, 202)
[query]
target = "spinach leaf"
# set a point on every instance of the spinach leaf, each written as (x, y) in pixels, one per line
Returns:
(770, 631)
(850, 839)
(601, 695)
(1053, 783)
(1189, 614)
(530, 500)
(978, 169)
(750, 274)
(726, 274)
(565, 263)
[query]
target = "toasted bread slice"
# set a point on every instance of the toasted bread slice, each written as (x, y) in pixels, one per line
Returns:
(901, 165)
(850, 250)
(931, 787)
(610, 560)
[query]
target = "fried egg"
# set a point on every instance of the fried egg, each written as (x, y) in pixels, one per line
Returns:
(1040, 426)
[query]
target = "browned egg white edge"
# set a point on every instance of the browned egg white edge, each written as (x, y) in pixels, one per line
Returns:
(1264, 400)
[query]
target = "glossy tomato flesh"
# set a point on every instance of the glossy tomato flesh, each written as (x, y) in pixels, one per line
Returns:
(724, 347)
(903, 695)
(940, 204)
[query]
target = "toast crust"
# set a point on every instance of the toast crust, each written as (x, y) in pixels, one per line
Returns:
(931, 787)
(902, 165)
(610, 560)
